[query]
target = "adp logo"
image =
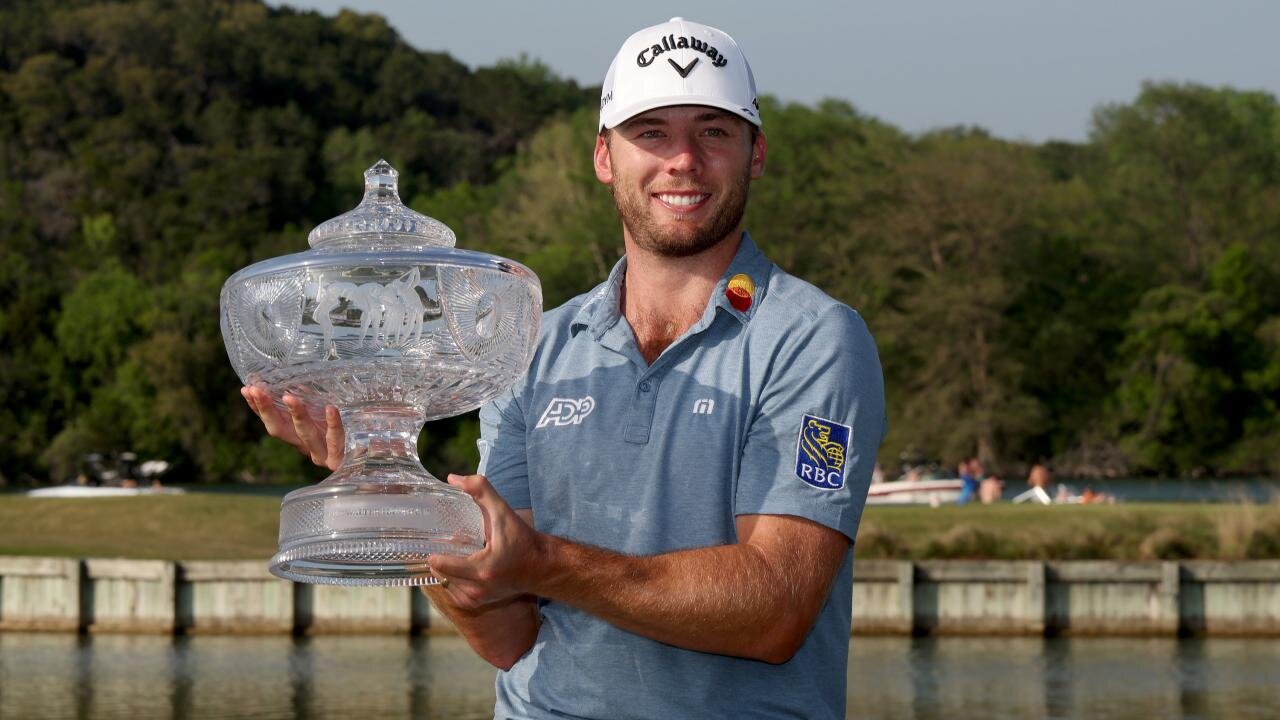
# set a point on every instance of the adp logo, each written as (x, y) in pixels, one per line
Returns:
(566, 411)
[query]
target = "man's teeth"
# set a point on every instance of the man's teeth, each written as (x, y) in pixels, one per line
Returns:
(681, 199)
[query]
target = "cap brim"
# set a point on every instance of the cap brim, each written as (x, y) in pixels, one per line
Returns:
(614, 118)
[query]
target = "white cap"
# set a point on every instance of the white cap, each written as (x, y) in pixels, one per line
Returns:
(678, 63)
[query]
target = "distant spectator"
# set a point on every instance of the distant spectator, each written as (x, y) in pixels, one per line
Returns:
(970, 470)
(990, 490)
(1038, 480)
(1089, 497)
(1039, 477)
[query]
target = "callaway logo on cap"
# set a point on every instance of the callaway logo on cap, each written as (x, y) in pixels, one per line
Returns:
(678, 63)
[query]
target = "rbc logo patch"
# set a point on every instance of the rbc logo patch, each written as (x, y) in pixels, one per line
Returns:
(820, 452)
(566, 411)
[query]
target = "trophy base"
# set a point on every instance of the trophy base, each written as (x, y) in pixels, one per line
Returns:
(366, 531)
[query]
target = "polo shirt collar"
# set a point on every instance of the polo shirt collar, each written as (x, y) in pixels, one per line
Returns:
(603, 309)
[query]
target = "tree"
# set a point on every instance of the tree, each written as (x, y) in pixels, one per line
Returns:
(953, 230)
(1188, 170)
(1185, 392)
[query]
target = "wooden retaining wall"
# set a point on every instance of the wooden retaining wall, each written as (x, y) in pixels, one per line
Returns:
(39, 593)
(889, 597)
(1068, 598)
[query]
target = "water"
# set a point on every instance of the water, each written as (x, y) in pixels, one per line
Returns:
(1104, 678)
(142, 677)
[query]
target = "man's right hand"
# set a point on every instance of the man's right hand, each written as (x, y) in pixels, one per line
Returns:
(323, 442)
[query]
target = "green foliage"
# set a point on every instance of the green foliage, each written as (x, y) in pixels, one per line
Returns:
(1110, 306)
(1184, 398)
(954, 235)
(148, 150)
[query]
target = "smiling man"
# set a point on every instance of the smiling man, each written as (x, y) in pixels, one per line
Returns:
(681, 540)
(672, 493)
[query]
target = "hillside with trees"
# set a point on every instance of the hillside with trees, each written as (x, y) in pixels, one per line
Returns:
(1111, 306)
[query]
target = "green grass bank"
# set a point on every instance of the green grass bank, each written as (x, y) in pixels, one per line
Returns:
(221, 526)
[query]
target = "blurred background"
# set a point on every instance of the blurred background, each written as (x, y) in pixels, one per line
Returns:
(1096, 287)
(1060, 221)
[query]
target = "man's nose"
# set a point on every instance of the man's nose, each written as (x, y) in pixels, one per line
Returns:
(685, 157)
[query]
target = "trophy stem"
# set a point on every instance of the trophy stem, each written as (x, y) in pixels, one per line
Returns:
(379, 516)
(381, 446)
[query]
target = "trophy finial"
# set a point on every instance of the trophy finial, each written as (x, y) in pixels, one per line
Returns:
(382, 220)
(381, 181)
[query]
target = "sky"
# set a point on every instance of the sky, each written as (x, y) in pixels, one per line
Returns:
(1023, 69)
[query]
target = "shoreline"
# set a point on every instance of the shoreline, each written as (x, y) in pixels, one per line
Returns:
(890, 597)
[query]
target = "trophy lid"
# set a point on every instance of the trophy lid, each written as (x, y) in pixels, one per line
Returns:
(381, 220)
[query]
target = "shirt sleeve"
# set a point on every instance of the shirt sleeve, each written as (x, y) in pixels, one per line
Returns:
(811, 446)
(503, 457)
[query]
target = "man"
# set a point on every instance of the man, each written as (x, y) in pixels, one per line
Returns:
(970, 470)
(677, 483)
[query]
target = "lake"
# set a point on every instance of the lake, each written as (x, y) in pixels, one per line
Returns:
(142, 677)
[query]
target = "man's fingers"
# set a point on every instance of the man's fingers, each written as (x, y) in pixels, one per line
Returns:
(248, 399)
(306, 430)
(322, 441)
(477, 486)
(443, 566)
(493, 508)
(275, 421)
(424, 568)
(334, 437)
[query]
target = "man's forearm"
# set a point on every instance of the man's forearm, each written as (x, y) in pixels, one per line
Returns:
(756, 598)
(498, 633)
(728, 599)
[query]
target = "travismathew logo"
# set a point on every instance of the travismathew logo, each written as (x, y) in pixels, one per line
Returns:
(671, 42)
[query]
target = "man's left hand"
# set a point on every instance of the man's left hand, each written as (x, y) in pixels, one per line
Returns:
(502, 569)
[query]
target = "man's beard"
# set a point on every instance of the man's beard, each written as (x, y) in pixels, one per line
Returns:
(687, 238)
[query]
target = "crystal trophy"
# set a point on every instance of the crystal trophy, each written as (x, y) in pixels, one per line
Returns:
(386, 320)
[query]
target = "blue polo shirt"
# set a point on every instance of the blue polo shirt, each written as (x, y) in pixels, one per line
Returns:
(775, 409)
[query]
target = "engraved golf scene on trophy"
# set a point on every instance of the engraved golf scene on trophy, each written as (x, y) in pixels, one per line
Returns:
(386, 320)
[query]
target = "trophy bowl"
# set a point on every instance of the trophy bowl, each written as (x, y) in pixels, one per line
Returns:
(386, 320)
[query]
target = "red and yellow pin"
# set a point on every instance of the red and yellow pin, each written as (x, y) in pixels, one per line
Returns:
(741, 290)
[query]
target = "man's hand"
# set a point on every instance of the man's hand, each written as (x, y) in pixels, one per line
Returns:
(756, 598)
(501, 570)
(322, 442)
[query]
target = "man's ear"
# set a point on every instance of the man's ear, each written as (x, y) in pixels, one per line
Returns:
(759, 149)
(602, 160)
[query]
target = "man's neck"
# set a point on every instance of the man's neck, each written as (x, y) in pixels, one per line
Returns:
(664, 296)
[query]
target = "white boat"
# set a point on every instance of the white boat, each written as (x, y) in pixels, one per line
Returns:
(932, 492)
(1038, 495)
(91, 491)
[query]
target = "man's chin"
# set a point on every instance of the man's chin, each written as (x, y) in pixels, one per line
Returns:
(682, 244)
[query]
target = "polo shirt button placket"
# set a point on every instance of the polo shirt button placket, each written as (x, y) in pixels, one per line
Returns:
(640, 415)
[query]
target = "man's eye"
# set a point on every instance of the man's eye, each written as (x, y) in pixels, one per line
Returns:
(651, 134)
(715, 132)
